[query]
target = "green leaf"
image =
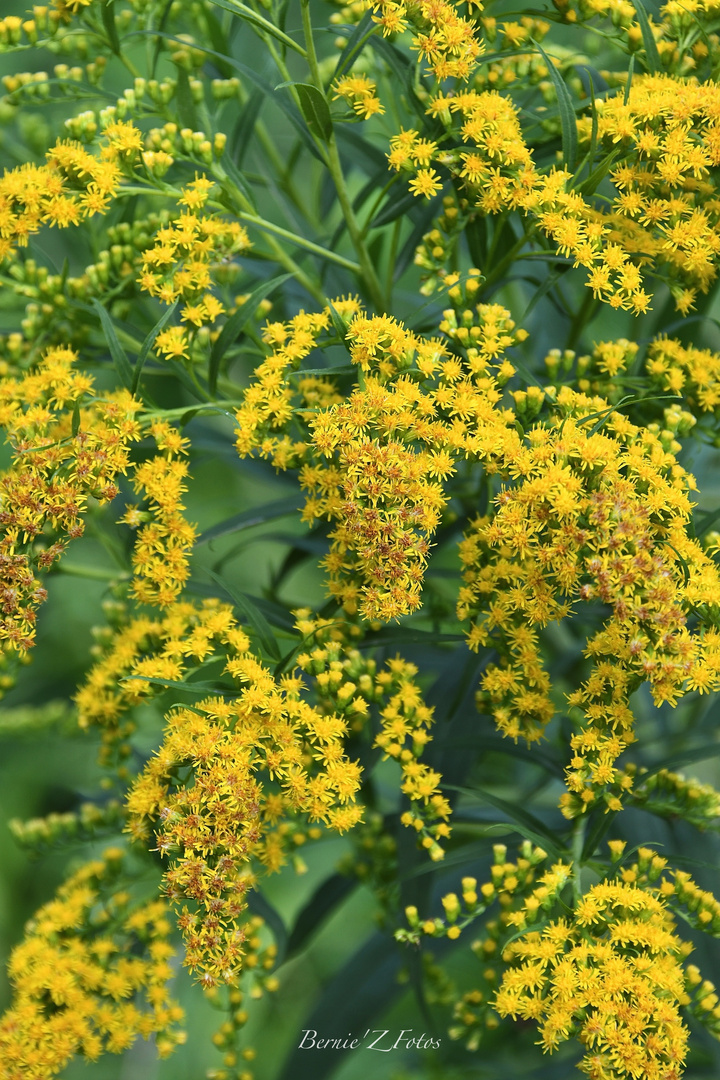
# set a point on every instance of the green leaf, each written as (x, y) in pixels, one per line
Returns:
(185, 101)
(218, 40)
(237, 178)
(108, 18)
(543, 289)
(629, 399)
(499, 745)
(252, 17)
(355, 44)
(76, 417)
(363, 151)
(566, 108)
(598, 832)
(241, 137)
(323, 901)
(236, 324)
(652, 56)
(314, 107)
(252, 76)
(253, 616)
(117, 352)
(396, 206)
(341, 329)
(333, 372)
(371, 974)
(248, 518)
(707, 522)
(148, 344)
(675, 761)
(599, 173)
(628, 84)
(200, 688)
(262, 907)
(525, 823)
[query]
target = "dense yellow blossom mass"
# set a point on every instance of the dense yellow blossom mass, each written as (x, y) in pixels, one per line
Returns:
(495, 504)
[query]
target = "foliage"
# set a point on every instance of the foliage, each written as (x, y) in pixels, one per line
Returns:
(301, 242)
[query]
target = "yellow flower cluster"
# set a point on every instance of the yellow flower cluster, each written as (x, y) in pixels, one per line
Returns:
(450, 44)
(277, 399)
(590, 515)
(391, 445)
(178, 266)
(516, 886)
(348, 683)
(360, 91)
(66, 8)
(259, 760)
(684, 30)
(672, 795)
(72, 185)
(163, 646)
(594, 508)
(162, 549)
(663, 217)
(375, 462)
(89, 977)
(665, 211)
(231, 814)
(406, 721)
(17, 31)
(62, 453)
(613, 977)
(384, 494)
(686, 370)
(610, 973)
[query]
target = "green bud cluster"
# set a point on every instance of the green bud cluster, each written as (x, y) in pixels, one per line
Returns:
(84, 824)
(673, 795)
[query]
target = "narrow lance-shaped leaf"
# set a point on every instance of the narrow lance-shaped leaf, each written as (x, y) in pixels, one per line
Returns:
(628, 84)
(568, 122)
(117, 352)
(314, 107)
(148, 344)
(247, 13)
(246, 519)
(108, 17)
(253, 616)
(526, 823)
(185, 101)
(237, 323)
(652, 56)
(201, 688)
(355, 44)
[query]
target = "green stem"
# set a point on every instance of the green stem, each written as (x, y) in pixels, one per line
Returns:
(95, 573)
(207, 406)
(508, 258)
(369, 274)
(300, 241)
(584, 315)
(281, 172)
(281, 256)
(578, 841)
(392, 257)
(373, 209)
